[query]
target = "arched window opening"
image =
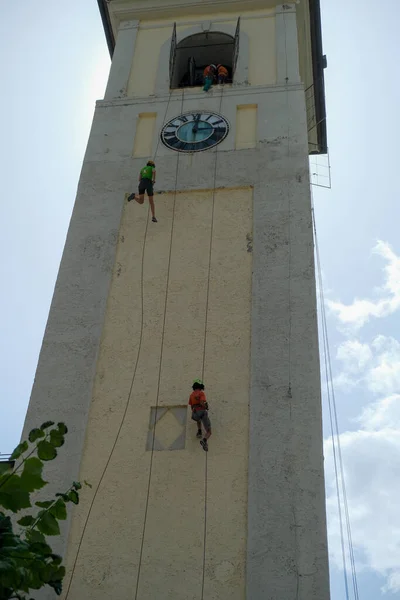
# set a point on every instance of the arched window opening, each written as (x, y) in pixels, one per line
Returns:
(193, 54)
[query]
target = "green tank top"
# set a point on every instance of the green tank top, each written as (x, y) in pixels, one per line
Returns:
(147, 172)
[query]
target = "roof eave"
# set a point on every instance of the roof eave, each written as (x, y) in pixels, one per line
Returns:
(105, 17)
(318, 62)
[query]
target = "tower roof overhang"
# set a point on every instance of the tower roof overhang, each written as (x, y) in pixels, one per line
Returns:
(310, 14)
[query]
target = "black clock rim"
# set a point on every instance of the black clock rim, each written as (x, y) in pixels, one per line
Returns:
(191, 112)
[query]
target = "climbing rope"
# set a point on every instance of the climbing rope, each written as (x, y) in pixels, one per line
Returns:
(204, 352)
(159, 370)
(129, 397)
(289, 203)
(335, 435)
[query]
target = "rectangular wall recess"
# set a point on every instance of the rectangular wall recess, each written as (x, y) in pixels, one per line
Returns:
(167, 428)
(143, 146)
(246, 126)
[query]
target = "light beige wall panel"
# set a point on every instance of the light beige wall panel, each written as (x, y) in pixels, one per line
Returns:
(109, 555)
(175, 521)
(173, 546)
(246, 126)
(143, 144)
(187, 295)
(262, 63)
(145, 61)
(173, 541)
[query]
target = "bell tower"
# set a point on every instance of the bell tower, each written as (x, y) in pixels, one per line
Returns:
(221, 288)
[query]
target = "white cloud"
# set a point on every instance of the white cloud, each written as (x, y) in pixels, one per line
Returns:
(371, 455)
(371, 458)
(384, 414)
(372, 467)
(355, 355)
(376, 367)
(360, 311)
(384, 377)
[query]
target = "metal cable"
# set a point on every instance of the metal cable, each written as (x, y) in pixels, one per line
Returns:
(337, 454)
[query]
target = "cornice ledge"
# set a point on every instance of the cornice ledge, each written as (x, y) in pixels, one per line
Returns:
(145, 9)
(199, 95)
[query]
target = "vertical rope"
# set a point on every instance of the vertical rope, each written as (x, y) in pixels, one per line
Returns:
(159, 371)
(204, 355)
(289, 393)
(130, 389)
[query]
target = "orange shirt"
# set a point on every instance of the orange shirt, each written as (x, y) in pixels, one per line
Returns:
(197, 397)
(208, 71)
(222, 71)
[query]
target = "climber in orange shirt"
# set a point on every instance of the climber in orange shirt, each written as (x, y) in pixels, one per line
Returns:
(222, 74)
(199, 406)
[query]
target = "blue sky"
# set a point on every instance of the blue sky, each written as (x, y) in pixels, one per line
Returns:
(54, 65)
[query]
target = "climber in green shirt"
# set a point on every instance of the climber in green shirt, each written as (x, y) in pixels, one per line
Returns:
(147, 179)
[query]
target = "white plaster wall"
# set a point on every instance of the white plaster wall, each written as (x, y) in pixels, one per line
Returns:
(286, 533)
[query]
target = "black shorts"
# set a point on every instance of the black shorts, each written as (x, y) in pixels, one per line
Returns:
(146, 185)
(201, 416)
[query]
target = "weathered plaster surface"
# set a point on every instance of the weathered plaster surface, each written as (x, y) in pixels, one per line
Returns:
(93, 337)
(170, 357)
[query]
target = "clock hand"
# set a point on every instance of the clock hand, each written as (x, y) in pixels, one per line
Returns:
(196, 124)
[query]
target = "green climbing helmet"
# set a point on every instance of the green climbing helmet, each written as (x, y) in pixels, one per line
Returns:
(199, 381)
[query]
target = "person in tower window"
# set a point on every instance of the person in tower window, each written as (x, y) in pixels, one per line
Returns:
(147, 179)
(209, 76)
(199, 406)
(222, 74)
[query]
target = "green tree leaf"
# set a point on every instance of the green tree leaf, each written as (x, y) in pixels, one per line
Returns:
(48, 525)
(65, 497)
(46, 424)
(31, 476)
(59, 510)
(6, 467)
(45, 504)
(13, 495)
(35, 537)
(41, 548)
(20, 449)
(26, 521)
(27, 561)
(56, 438)
(73, 496)
(46, 451)
(35, 434)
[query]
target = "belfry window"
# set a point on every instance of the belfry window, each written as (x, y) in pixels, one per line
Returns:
(193, 54)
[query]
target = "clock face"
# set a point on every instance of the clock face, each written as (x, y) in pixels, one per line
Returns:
(195, 131)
